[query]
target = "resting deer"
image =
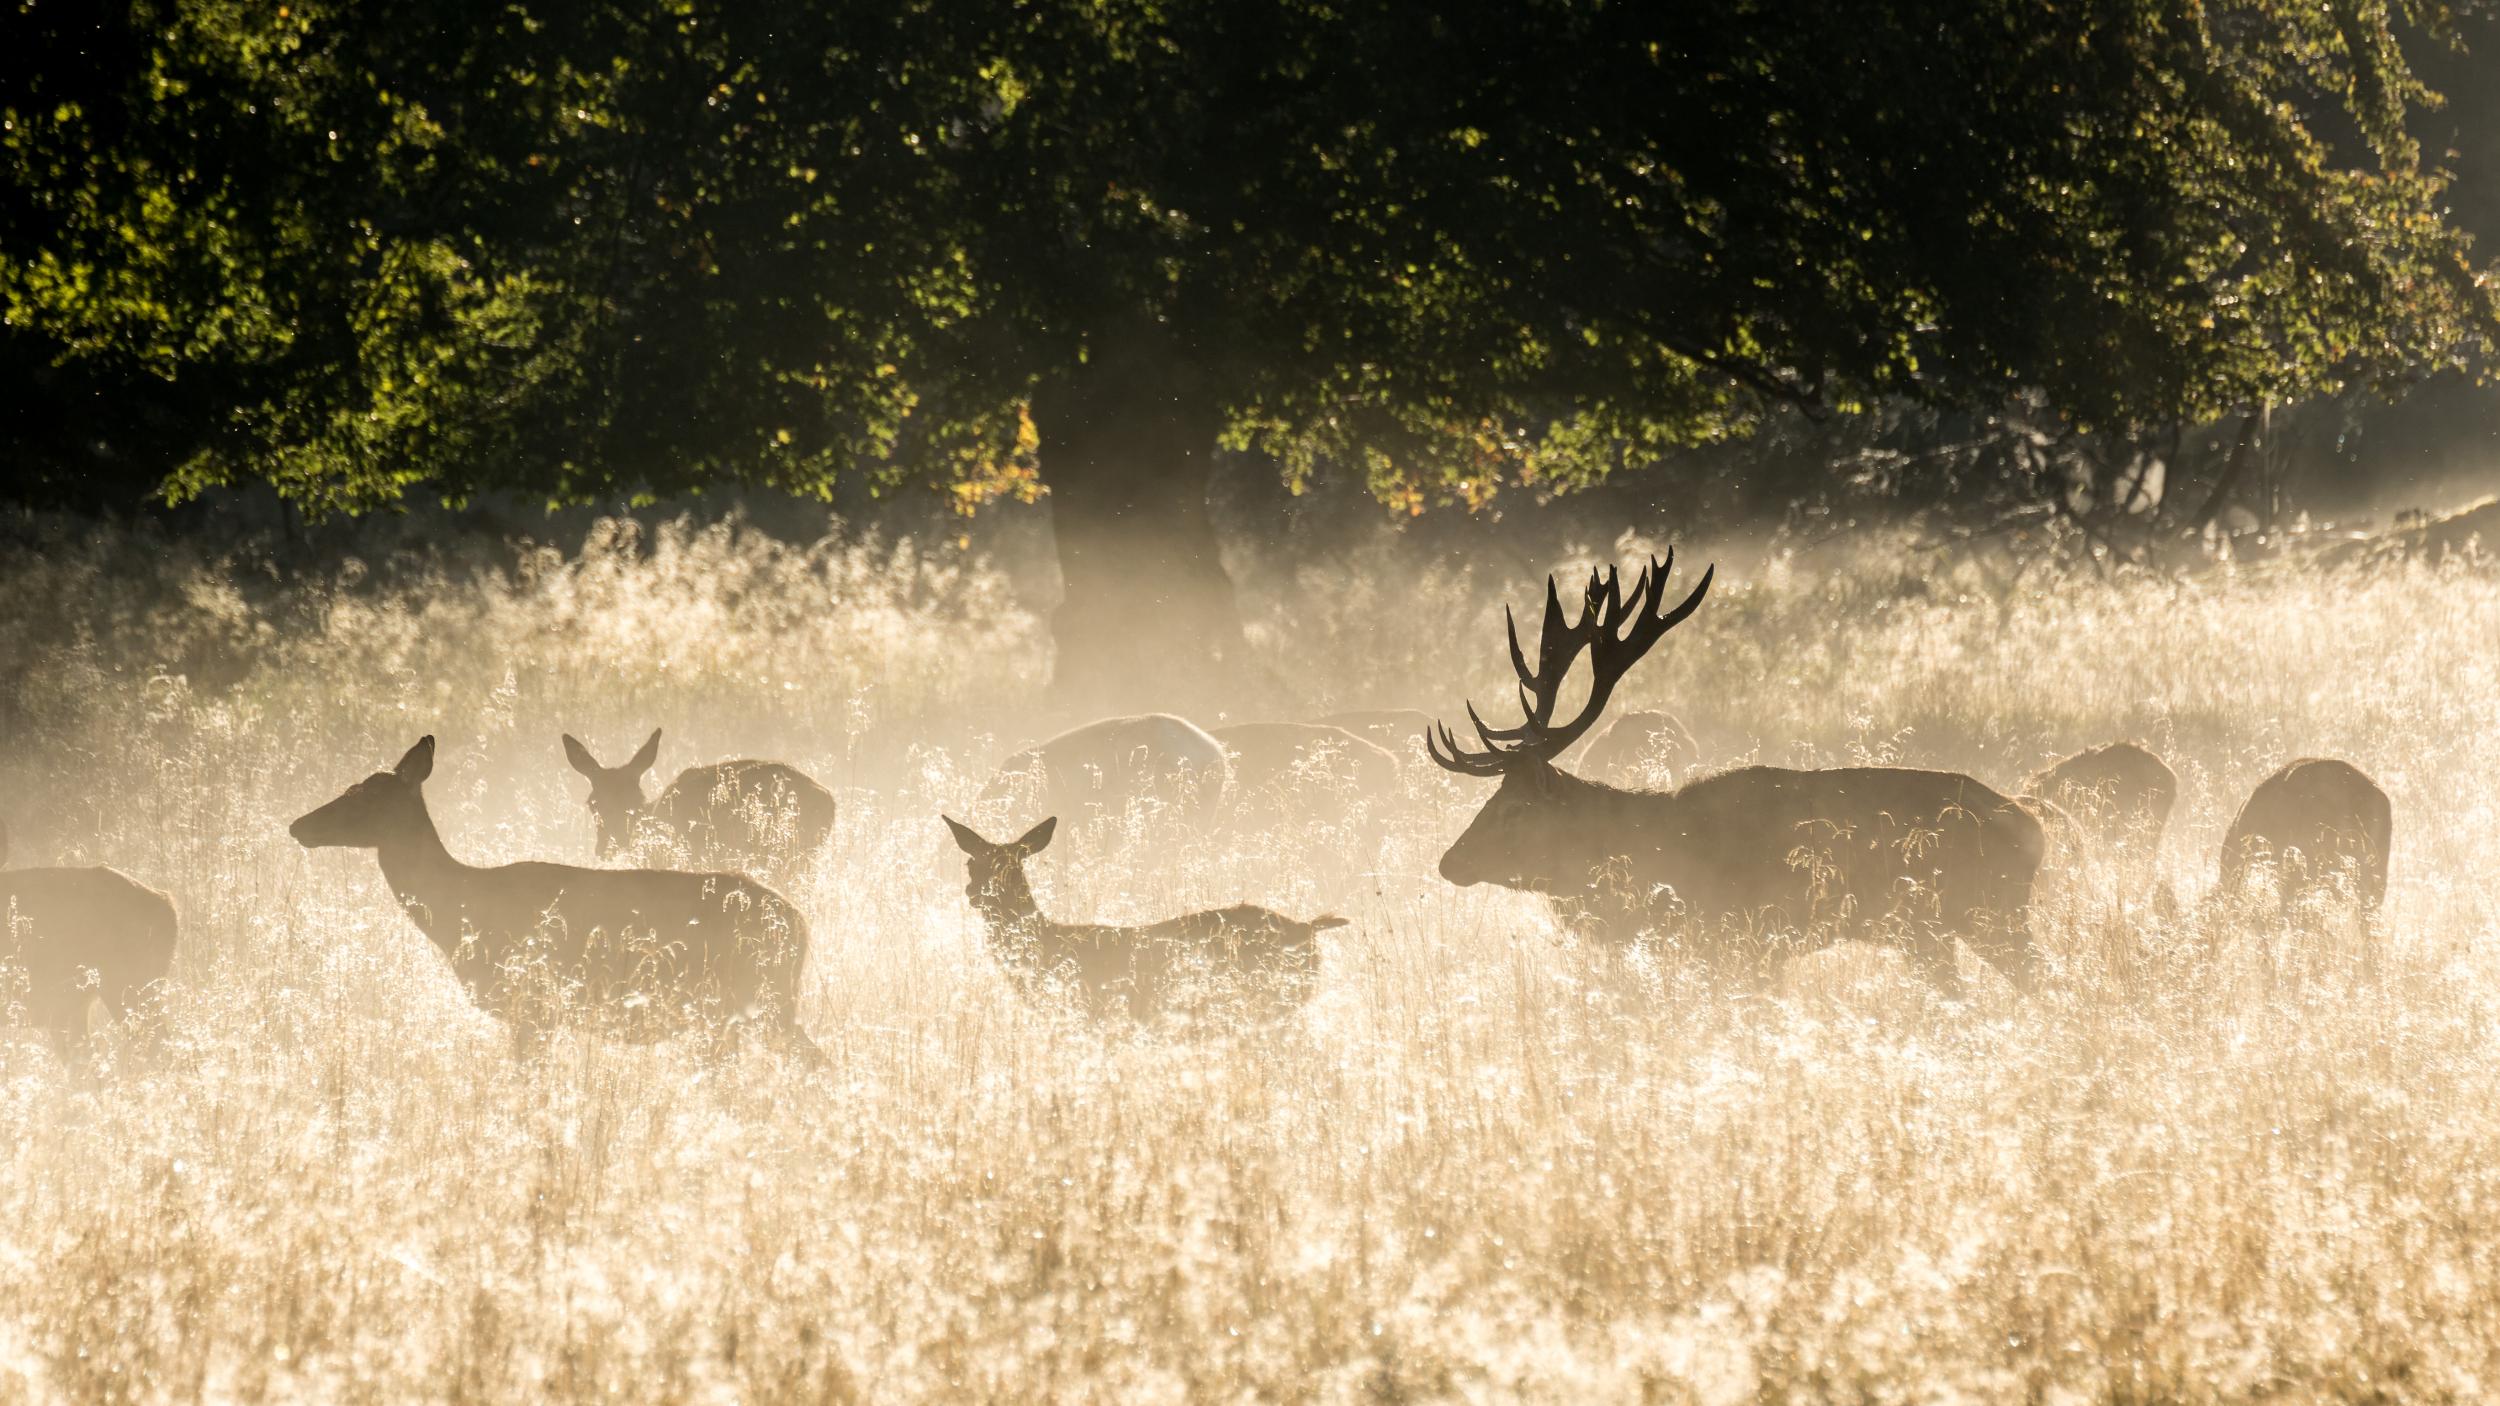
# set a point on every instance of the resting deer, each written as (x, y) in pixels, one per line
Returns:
(2314, 819)
(1821, 854)
(80, 936)
(640, 953)
(725, 813)
(1104, 767)
(1274, 959)
(2122, 793)
(1285, 772)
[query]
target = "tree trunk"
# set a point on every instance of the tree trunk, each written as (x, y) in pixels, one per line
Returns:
(2237, 464)
(1148, 620)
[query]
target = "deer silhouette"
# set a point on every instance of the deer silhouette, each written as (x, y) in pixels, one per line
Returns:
(1263, 958)
(80, 936)
(2317, 820)
(1758, 861)
(1104, 767)
(637, 953)
(2120, 793)
(746, 813)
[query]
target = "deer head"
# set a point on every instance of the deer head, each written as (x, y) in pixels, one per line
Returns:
(616, 794)
(1538, 830)
(381, 807)
(997, 885)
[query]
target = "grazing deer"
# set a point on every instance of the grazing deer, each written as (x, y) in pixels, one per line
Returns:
(1103, 768)
(80, 936)
(639, 953)
(2319, 821)
(725, 813)
(1282, 772)
(2121, 793)
(1272, 959)
(1825, 854)
(1638, 747)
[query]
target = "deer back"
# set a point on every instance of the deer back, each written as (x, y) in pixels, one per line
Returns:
(659, 941)
(1283, 772)
(2313, 817)
(745, 811)
(1770, 837)
(1243, 954)
(2119, 791)
(57, 925)
(1105, 767)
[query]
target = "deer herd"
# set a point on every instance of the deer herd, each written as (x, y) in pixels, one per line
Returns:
(1737, 869)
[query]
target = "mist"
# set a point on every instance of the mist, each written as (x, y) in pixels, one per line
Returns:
(1012, 700)
(1488, 1155)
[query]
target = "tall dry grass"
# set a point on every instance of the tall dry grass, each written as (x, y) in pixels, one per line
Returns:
(2213, 1161)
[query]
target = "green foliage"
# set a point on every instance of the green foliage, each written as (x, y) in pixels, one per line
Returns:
(363, 248)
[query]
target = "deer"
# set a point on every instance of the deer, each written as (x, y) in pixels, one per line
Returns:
(2119, 793)
(80, 936)
(640, 954)
(1105, 767)
(1637, 746)
(724, 813)
(1266, 958)
(1854, 853)
(2317, 820)
(1282, 771)
(1309, 797)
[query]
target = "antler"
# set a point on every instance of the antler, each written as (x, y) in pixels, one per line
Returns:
(1612, 651)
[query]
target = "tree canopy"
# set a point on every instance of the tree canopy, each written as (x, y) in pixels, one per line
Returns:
(364, 247)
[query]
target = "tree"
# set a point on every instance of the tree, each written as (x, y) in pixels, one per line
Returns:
(364, 249)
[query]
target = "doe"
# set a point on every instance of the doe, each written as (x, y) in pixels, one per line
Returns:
(739, 812)
(1271, 959)
(638, 953)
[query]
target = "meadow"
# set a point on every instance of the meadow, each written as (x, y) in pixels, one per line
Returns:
(2214, 1159)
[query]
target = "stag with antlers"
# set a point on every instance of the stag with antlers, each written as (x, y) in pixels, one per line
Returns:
(1748, 865)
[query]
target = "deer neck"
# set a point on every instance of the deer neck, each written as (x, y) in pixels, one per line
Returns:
(1011, 910)
(1605, 820)
(428, 882)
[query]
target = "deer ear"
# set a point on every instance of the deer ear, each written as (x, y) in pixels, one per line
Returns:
(643, 759)
(415, 767)
(580, 757)
(1033, 840)
(965, 839)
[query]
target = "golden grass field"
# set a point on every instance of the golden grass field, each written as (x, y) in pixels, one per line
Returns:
(2213, 1161)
